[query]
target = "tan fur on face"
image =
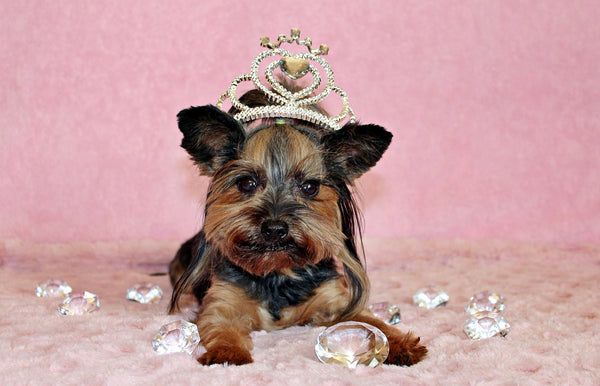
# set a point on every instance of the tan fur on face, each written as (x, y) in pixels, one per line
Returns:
(300, 153)
(281, 158)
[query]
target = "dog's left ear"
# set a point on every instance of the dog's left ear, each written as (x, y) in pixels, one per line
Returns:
(354, 149)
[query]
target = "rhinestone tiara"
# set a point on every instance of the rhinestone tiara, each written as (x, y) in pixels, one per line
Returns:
(288, 104)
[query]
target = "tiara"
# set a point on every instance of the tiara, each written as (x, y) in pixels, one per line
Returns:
(288, 104)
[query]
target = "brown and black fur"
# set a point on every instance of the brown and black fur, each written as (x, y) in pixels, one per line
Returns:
(278, 245)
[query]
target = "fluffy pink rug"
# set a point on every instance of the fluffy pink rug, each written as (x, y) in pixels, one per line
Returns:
(551, 293)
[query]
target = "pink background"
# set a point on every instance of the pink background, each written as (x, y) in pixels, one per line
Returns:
(495, 108)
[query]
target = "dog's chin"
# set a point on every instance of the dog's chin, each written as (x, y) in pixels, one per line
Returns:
(262, 259)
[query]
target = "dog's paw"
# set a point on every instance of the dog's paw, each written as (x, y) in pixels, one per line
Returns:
(226, 355)
(405, 350)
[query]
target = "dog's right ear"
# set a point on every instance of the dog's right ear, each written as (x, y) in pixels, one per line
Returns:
(210, 136)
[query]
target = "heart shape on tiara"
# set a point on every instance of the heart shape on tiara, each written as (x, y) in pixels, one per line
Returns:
(294, 68)
(280, 94)
(301, 94)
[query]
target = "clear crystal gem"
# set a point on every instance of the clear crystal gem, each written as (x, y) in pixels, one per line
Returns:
(431, 297)
(144, 293)
(351, 344)
(79, 304)
(179, 336)
(486, 324)
(485, 301)
(387, 312)
(53, 288)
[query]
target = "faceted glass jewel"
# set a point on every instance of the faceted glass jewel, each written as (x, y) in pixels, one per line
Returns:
(486, 324)
(387, 312)
(485, 301)
(144, 293)
(351, 344)
(178, 336)
(53, 288)
(79, 304)
(431, 297)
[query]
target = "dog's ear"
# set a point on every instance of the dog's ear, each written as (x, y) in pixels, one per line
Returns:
(354, 149)
(210, 136)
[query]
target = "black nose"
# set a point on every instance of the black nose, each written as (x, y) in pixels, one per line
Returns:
(274, 230)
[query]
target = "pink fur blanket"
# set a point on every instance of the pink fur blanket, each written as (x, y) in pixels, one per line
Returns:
(551, 294)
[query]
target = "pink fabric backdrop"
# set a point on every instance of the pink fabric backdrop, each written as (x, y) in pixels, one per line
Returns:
(495, 107)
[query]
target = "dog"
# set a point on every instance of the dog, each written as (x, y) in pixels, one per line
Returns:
(278, 246)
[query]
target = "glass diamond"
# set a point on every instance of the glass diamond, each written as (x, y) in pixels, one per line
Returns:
(79, 304)
(486, 324)
(387, 312)
(144, 293)
(431, 297)
(179, 336)
(485, 301)
(53, 288)
(351, 344)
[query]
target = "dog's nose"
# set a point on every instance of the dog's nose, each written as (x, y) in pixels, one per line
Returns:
(274, 230)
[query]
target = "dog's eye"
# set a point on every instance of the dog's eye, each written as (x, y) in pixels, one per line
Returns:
(247, 185)
(309, 188)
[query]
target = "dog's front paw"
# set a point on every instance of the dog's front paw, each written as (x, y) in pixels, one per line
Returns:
(405, 350)
(226, 354)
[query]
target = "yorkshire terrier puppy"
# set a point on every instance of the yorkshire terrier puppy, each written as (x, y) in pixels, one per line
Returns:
(278, 246)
